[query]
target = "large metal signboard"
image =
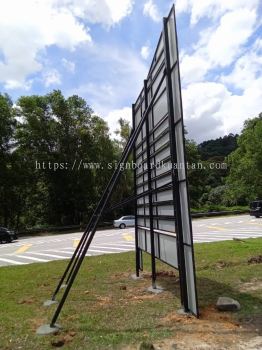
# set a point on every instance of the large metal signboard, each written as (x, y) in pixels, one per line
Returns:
(163, 222)
(163, 225)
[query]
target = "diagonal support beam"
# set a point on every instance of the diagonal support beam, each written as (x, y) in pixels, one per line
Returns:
(90, 232)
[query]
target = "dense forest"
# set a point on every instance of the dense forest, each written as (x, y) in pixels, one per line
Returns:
(55, 155)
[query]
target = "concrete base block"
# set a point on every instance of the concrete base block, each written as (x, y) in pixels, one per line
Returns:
(49, 302)
(46, 329)
(63, 286)
(156, 290)
(135, 278)
(182, 312)
(227, 304)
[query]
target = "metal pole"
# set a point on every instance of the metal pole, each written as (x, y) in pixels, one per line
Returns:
(176, 194)
(151, 220)
(188, 199)
(135, 194)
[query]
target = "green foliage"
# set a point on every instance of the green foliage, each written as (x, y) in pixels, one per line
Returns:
(245, 178)
(219, 147)
(58, 166)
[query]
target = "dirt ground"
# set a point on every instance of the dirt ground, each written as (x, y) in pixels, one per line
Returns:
(214, 330)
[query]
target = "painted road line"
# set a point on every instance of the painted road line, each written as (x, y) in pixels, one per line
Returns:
(75, 242)
(126, 244)
(51, 255)
(128, 237)
(216, 234)
(23, 249)
(219, 228)
(110, 234)
(60, 251)
(31, 258)
(10, 261)
(115, 248)
(99, 251)
(249, 230)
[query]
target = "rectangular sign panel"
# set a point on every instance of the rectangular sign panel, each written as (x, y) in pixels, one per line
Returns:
(163, 223)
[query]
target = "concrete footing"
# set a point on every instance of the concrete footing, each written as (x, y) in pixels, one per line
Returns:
(135, 277)
(49, 302)
(182, 312)
(156, 290)
(46, 329)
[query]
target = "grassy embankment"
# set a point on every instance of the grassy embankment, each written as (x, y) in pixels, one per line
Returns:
(107, 309)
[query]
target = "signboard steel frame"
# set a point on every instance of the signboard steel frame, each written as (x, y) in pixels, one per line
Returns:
(167, 237)
(155, 136)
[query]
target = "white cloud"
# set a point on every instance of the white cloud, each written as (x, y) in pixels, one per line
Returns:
(245, 72)
(235, 28)
(114, 115)
(151, 10)
(219, 45)
(145, 52)
(27, 28)
(212, 8)
(51, 77)
(119, 85)
(106, 12)
(202, 102)
(212, 110)
(69, 65)
(193, 68)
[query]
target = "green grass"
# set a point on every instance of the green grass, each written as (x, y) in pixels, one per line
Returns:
(107, 309)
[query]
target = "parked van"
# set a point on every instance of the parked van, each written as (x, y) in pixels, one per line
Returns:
(256, 208)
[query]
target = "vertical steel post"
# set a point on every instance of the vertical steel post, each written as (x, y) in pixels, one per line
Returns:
(175, 181)
(135, 193)
(150, 201)
(188, 198)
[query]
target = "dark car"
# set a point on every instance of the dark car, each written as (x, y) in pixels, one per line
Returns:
(7, 235)
(256, 208)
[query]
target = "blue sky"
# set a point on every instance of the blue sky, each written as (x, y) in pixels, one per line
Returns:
(101, 50)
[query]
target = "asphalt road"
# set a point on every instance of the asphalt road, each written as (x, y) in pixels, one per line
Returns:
(61, 246)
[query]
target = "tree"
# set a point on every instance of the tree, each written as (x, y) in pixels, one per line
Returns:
(59, 138)
(245, 178)
(8, 193)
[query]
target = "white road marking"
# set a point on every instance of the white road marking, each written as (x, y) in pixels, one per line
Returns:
(51, 255)
(115, 248)
(32, 258)
(10, 261)
(126, 244)
(60, 251)
(99, 251)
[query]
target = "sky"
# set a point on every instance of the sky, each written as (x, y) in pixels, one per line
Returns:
(101, 50)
